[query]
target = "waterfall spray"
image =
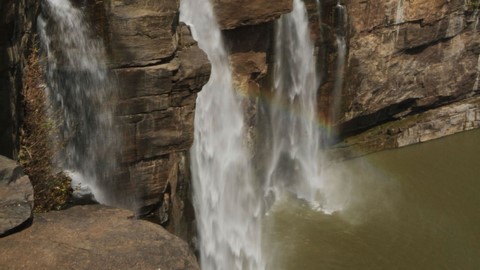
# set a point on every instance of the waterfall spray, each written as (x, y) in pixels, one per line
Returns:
(79, 93)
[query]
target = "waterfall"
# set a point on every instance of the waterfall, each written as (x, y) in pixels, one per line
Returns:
(79, 94)
(399, 18)
(295, 155)
(477, 80)
(340, 24)
(227, 201)
(399, 15)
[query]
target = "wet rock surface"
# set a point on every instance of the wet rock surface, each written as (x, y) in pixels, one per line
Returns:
(94, 237)
(16, 196)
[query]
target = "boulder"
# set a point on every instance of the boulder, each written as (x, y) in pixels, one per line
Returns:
(94, 237)
(16, 196)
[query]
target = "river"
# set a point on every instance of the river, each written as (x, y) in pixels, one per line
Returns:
(411, 208)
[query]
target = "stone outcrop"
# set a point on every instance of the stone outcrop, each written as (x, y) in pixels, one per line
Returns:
(159, 70)
(94, 237)
(16, 196)
(16, 24)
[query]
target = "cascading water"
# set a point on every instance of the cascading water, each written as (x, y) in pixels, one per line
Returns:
(227, 201)
(340, 24)
(80, 94)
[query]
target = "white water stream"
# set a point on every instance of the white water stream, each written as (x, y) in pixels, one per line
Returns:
(80, 94)
(227, 201)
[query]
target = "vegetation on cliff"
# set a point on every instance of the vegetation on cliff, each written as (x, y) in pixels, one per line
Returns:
(52, 187)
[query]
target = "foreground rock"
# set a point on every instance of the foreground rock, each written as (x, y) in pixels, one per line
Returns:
(94, 237)
(16, 196)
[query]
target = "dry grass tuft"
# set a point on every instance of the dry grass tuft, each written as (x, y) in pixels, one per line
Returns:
(52, 187)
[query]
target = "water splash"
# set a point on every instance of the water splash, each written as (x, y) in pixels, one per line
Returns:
(80, 93)
(227, 201)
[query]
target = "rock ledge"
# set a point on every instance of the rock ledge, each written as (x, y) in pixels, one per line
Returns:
(94, 237)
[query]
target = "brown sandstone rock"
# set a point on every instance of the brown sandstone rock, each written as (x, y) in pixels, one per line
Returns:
(94, 237)
(235, 13)
(141, 32)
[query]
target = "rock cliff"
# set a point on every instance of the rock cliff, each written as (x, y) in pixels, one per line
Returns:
(159, 70)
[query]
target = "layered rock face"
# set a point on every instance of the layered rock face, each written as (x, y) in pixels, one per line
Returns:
(406, 57)
(16, 30)
(159, 70)
(94, 237)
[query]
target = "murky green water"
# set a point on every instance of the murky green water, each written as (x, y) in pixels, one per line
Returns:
(411, 208)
